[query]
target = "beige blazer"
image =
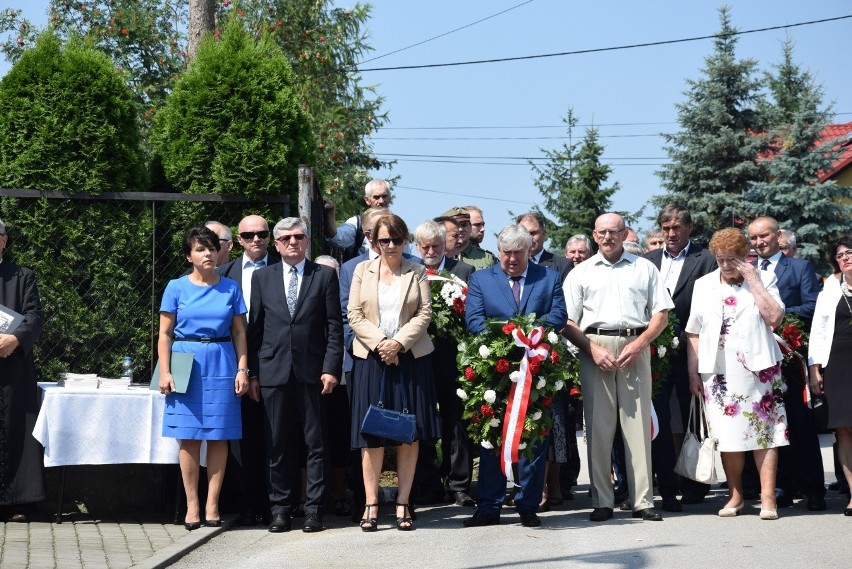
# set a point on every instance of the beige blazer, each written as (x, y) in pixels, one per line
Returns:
(415, 312)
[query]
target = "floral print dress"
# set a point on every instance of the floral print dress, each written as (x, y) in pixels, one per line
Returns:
(745, 409)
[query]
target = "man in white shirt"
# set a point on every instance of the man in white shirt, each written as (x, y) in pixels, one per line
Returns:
(376, 194)
(617, 305)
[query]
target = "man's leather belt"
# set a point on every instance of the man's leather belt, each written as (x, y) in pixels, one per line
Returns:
(621, 332)
(204, 340)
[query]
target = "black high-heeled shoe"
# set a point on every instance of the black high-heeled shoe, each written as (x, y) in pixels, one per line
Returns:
(190, 526)
(213, 523)
(370, 523)
(847, 512)
(406, 522)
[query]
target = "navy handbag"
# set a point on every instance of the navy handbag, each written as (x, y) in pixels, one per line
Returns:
(400, 426)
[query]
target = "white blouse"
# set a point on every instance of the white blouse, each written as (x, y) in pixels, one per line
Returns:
(389, 307)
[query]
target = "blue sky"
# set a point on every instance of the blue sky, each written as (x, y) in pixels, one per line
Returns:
(498, 112)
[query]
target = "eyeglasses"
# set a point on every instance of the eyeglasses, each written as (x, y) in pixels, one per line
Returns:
(385, 241)
(287, 238)
(847, 254)
(608, 232)
(249, 235)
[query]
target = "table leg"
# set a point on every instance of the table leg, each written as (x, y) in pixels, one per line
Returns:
(58, 518)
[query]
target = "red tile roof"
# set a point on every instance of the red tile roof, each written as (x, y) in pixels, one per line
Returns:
(831, 132)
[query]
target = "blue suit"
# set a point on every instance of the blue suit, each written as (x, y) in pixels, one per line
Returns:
(800, 464)
(490, 296)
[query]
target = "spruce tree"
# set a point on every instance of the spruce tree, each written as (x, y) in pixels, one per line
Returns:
(816, 211)
(714, 156)
(573, 185)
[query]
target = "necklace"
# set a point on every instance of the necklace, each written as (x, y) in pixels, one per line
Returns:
(844, 288)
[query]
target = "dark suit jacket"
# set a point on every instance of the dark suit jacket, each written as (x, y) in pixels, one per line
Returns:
(234, 270)
(459, 268)
(559, 264)
(698, 262)
(798, 286)
(489, 296)
(306, 345)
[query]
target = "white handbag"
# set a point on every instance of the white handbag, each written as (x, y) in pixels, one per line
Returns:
(697, 460)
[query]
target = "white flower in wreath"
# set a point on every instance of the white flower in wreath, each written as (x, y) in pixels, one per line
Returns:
(559, 384)
(574, 350)
(536, 416)
(541, 383)
(461, 393)
(494, 422)
(486, 445)
(484, 351)
(661, 351)
(675, 343)
(552, 337)
(516, 376)
(490, 396)
(522, 446)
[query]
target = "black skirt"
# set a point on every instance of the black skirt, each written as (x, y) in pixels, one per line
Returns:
(416, 375)
(838, 374)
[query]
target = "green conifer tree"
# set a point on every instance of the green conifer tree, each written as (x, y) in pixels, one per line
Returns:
(714, 156)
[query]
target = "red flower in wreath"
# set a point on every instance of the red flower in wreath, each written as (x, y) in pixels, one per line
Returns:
(469, 374)
(547, 401)
(544, 432)
(653, 350)
(431, 272)
(554, 357)
(475, 418)
(535, 367)
(793, 336)
(458, 305)
(502, 366)
(486, 411)
(575, 392)
(507, 329)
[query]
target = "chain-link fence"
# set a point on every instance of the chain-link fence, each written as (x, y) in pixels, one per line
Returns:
(101, 265)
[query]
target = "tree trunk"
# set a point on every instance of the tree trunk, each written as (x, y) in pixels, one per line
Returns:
(201, 19)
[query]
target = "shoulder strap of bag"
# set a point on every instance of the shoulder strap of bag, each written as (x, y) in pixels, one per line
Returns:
(403, 391)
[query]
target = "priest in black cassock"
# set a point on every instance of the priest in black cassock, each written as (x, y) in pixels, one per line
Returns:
(21, 460)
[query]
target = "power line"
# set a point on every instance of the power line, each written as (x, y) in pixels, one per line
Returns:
(562, 126)
(501, 157)
(489, 198)
(506, 137)
(481, 163)
(604, 49)
(447, 33)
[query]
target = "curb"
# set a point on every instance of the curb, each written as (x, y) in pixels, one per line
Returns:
(193, 540)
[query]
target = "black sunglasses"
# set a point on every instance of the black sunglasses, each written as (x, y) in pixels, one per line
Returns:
(385, 241)
(249, 235)
(284, 239)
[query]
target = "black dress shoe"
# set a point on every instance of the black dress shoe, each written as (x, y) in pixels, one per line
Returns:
(817, 504)
(462, 499)
(191, 526)
(601, 514)
(481, 519)
(847, 512)
(313, 523)
(784, 500)
(671, 504)
(529, 519)
(247, 520)
(280, 523)
(648, 515)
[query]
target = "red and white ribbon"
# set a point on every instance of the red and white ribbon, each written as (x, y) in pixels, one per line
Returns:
(519, 397)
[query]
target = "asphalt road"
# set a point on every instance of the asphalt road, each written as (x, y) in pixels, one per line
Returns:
(695, 538)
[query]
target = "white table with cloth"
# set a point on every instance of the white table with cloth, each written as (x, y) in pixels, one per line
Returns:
(102, 426)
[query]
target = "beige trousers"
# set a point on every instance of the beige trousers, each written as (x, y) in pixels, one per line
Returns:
(610, 397)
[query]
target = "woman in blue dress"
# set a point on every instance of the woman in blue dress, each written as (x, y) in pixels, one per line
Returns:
(203, 314)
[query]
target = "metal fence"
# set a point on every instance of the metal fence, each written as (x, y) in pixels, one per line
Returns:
(102, 262)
